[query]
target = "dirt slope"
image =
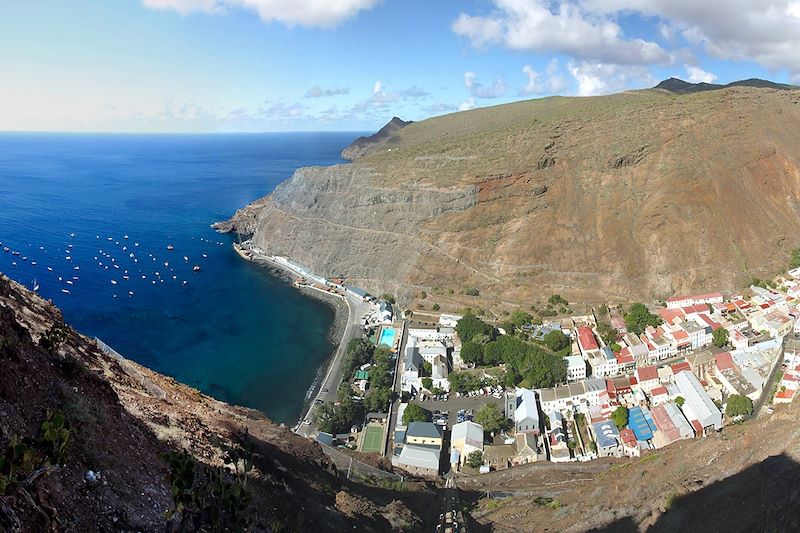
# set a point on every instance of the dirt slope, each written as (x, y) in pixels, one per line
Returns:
(123, 418)
(634, 195)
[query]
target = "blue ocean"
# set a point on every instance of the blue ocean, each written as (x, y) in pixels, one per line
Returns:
(115, 229)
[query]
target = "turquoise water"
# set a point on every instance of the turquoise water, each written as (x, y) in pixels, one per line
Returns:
(387, 337)
(231, 330)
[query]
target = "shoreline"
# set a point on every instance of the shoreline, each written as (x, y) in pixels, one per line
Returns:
(336, 335)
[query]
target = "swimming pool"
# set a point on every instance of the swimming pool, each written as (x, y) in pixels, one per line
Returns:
(387, 337)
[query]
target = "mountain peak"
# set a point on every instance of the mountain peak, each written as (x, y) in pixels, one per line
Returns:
(679, 86)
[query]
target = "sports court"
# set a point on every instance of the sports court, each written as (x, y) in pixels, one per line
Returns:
(372, 441)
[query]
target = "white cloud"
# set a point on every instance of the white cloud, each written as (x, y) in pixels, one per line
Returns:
(378, 88)
(764, 31)
(318, 92)
(467, 104)
(316, 13)
(551, 83)
(698, 75)
(565, 28)
(604, 78)
(381, 99)
(478, 90)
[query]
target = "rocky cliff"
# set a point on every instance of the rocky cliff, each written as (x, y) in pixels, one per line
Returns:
(634, 195)
(92, 442)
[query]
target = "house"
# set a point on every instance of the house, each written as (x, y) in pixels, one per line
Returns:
(499, 456)
(557, 439)
(527, 448)
(618, 388)
(466, 438)
(729, 376)
(430, 349)
(419, 459)
(576, 368)
(412, 362)
(587, 342)
(607, 439)
(630, 446)
(697, 406)
(659, 395)
(526, 413)
(647, 377)
(671, 425)
(385, 312)
(640, 421)
(424, 433)
(360, 293)
(684, 301)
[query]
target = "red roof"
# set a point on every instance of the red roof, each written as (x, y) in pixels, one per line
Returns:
(665, 424)
(680, 335)
(647, 373)
(587, 339)
(698, 429)
(624, 357)
(724, 361)
(633, 381)
(680, 367)
(658, 391)
(628, 437)
(785, 394)
(707, 319)
(668, 315)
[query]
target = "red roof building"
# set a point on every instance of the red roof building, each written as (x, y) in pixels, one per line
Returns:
(724, 361)
(587, 340)
(680, 367)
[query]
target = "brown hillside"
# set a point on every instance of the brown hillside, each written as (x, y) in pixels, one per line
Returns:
(634, 195)
(123, 418)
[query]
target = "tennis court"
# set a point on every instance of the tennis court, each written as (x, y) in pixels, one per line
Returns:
(373, 438)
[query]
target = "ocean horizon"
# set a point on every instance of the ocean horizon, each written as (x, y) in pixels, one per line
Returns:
(112, 227)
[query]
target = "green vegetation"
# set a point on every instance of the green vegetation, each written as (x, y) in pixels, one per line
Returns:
(519, 318)
(472, 352)
(557, 300)
(358, 352)
(490, 417)
(620, 417)
(463, 382)
(472, 292)
(556, 341)
(53, 338)
(427, 383)
(24, 455)
(679, 401)
(415, 413)
(607, 332)
(475, 459)
(509, 327)
(738, 406)
(719, 337)
(210, 499)
(638, 318)
(794, 261)
(388, 297)
(339, 418)
(469, 326)
(436, 307)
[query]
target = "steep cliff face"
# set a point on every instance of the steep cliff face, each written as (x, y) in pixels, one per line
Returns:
(122, 421)
(634, 195)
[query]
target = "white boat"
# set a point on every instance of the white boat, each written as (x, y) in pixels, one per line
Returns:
(125, 237)
(130, 293)
(65, 291)
(113, 282)
(33, 263)
(205, 255)
(69, 282)
(170, 247)
(35, 286)
(76, 268)
(50, 269)
(185, 258)
(196, 268)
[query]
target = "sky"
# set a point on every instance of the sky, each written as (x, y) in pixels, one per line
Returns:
(313, 65)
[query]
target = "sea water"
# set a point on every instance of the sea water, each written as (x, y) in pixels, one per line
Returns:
(96, 213)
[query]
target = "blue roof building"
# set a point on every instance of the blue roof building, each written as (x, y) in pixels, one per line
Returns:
(641, 422)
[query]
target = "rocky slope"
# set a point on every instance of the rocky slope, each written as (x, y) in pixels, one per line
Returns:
(746, 478)
(362, 145)
(634, 195)
(122, 419)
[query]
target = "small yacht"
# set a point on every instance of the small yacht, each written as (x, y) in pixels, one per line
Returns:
(170, 247)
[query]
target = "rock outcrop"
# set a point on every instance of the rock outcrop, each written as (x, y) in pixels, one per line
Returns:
(362, 145)
(635, 195)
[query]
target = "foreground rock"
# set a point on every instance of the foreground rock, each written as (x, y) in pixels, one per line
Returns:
(123, 421)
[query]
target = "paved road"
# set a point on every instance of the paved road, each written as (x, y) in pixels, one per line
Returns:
(330, 383)
(398, 372)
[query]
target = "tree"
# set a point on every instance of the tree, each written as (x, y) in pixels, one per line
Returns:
(415, 413)
(490, 417)
(571, 444)
(472, 292)
(463, 382)
(509, 327)
(469, 326)
(388, 297)
(556, 300)
(475, 459)
(679, 401)
(620, 416)
(607, 332)
(358, 352)
(638, 318)
(436, 307)
(719, 337)
(556, 340)
(377, 401)
(427, 368)
(427, 383)
(738, 406)
(795, 259)
(520, 318)
(503, 350)
(472, 353)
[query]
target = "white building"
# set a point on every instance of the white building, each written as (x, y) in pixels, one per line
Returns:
(466, 437)
(576, 368)
(412, 361)
(698, 405)
(526, 412)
